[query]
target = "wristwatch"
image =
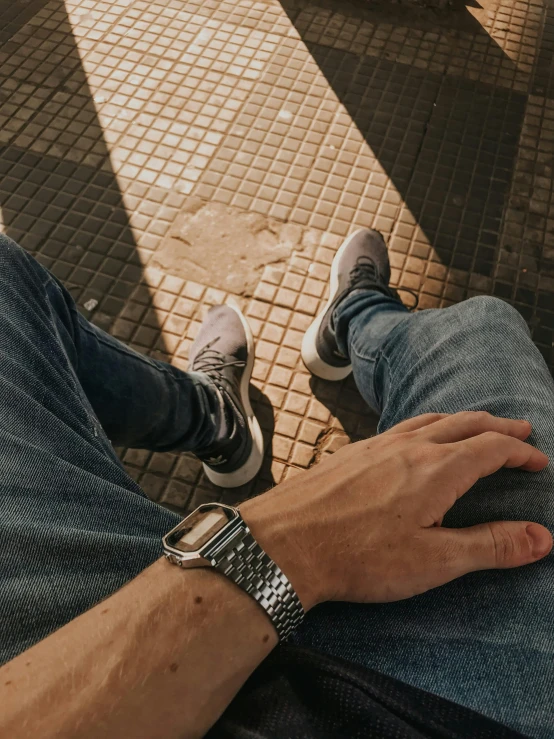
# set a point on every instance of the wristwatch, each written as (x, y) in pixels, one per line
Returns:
(216, 535)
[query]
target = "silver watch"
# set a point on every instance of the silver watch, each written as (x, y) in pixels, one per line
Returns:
(216, 535)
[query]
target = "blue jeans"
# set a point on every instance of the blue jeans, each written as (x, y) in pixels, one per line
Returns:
(75, 527)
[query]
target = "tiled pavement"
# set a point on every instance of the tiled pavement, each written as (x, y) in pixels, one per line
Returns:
(118, 118)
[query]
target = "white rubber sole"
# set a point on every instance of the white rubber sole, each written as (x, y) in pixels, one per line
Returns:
(251, 467)
(310, 356)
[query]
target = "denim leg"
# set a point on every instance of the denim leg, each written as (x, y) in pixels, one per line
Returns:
(139, 401)
(486, 640)
(74, 527)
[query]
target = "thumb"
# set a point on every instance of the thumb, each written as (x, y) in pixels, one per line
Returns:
(495, 545)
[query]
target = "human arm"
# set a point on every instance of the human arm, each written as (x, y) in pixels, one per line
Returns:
(165, 655)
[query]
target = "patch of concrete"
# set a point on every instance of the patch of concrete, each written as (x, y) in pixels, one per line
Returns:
(225, 247)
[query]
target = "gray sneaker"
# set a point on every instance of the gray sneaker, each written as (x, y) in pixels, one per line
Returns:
(224, 350)
(361, 262)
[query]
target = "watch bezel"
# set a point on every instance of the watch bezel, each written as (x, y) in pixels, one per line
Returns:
(204, 556)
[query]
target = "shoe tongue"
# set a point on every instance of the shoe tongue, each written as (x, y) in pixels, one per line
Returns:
(363, 281)
(366, 273)
(223, 327)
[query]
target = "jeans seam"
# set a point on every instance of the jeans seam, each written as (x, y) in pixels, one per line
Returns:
(73, 371)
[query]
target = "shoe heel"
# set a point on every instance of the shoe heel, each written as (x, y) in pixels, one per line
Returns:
(313, 362)
(249, 469)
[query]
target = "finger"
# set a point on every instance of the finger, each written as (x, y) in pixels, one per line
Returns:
(485, 454)
(415, 423)
(471, 423)
(496, 545)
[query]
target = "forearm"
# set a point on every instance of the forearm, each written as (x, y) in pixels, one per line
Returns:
(161, 657)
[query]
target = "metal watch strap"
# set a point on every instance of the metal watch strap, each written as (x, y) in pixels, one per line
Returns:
(247, 565)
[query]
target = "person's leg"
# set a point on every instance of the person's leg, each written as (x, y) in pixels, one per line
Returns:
(486, 640)
(144, 403)
(74, 527)
(139, 401)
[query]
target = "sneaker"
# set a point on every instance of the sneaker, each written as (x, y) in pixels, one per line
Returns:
(361, 262)
(224, 351)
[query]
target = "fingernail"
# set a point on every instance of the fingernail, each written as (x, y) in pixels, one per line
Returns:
(540, 541)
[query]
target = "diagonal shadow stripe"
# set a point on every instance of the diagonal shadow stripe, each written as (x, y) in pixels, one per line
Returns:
(59, 196)
(449, 145)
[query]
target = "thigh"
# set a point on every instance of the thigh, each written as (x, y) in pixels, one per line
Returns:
(486, 640)
(74, 526)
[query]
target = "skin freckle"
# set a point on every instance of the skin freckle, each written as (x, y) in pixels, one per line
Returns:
(266, 638)
(198, 599)
(106, 610)
(8, 682)
(174, 667)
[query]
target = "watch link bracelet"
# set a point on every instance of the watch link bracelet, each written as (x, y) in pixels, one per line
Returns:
(216, 535)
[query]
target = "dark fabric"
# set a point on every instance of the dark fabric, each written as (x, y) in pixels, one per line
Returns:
(298, 693)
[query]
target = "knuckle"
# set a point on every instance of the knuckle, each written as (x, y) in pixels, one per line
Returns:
(450, 452)
(503, 543)
(465, 457)
(432, 417)
(399, 442)
(421, 455)
(481, 417)
(492, 436)
(464, 414)
(476, 417)
(407, 436)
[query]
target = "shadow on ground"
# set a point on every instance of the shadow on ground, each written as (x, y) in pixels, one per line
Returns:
(61, 200)
(449, 145)
(59, 196)
(264, 413)
(345, 403)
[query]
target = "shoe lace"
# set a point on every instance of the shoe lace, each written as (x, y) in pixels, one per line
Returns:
(212, 362)
(365, 271)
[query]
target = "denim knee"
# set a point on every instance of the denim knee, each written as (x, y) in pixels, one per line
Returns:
(21, 289)
(14, 261)
(494, 315)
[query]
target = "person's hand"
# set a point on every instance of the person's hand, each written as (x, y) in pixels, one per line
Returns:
(364, 525)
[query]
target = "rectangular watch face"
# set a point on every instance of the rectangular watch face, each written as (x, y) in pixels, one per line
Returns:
(199, 528)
